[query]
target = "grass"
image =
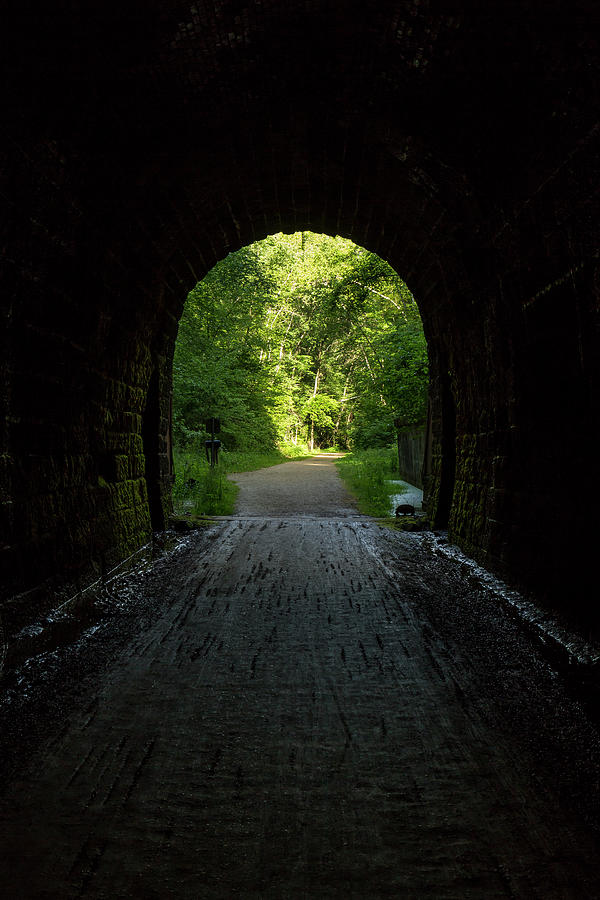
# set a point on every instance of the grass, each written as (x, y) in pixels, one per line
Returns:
(200, 490)
(367, 474)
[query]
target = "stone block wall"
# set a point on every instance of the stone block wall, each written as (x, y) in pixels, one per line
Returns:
(77, 363)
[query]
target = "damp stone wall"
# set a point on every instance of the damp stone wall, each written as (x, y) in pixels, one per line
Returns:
(411, 453)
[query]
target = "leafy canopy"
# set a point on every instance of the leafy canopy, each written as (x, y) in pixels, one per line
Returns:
(299, 338)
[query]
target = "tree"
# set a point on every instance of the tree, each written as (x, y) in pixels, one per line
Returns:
(300, 337)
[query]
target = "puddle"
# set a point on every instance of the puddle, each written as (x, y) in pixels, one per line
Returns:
(406, 493)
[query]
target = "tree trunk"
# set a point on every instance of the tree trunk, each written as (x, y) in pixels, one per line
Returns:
(317, 376)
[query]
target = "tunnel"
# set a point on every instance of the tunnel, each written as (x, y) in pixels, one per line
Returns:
(143, 142)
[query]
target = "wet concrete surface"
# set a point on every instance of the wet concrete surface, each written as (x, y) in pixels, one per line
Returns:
(299, 706)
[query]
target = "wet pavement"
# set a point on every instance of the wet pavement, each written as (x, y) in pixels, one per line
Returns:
(300, 706)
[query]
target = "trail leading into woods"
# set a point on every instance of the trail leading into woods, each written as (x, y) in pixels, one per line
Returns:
(317, 708)
(303, 487)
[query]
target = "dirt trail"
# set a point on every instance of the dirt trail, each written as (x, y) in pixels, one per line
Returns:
(303, 487)
(320, 708)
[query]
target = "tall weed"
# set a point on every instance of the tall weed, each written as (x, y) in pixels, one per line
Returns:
(200, 490)
(367, 474)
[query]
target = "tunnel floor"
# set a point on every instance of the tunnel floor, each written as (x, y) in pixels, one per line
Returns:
(300, 706)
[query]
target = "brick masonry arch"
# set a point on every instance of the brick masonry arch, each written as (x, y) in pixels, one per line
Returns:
(143, 142)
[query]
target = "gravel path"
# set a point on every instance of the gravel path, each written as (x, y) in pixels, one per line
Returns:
(304, 487)
(301, 707)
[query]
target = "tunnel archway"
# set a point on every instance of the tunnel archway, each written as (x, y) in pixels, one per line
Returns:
(302, 341)
(214, 127)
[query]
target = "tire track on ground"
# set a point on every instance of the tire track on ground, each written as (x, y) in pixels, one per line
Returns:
(300, 723)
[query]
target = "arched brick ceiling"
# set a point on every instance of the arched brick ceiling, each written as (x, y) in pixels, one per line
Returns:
(389, 122)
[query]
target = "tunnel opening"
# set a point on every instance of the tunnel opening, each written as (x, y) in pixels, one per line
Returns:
(401, 128)
(296, 343)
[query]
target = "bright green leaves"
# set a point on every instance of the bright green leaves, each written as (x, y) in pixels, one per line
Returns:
(321, 410)
(300, 337)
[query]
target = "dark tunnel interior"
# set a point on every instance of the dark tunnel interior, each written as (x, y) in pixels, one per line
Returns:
(143, 142)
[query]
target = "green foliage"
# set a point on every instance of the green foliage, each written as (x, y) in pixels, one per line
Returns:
(368, 474)
(299, 339)
(369, 429)
(200, 490)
